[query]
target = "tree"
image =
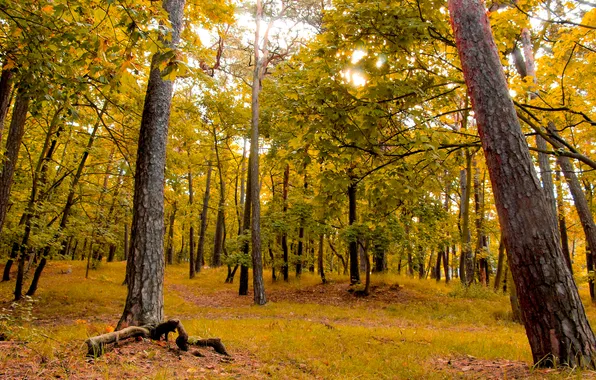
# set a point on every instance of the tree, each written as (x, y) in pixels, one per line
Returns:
(554, 317)
(145, 266)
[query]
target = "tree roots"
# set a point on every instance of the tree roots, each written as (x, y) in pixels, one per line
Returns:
(96, 345)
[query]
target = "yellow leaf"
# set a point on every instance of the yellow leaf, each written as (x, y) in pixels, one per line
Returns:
(48, 9)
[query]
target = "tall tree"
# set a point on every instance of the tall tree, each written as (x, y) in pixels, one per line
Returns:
(259, 72)
(554, 317)
(145, 266)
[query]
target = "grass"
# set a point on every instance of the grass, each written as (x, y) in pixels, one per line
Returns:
(291, 337)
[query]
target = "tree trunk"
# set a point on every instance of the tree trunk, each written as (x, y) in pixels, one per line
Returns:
(466, 260)
(500, 265)
(562, 222)
(243, 286)
(5, 96)
(257, 261)
(582, 207)
(145, 266)
(284, 236)
(353, 246)
(192, 264)
(219, 226)
(554, 317)
(320, 258)
(13, 145)
(170, 252)
(203, 231)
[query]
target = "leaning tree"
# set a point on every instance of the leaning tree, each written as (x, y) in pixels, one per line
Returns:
(553, 314)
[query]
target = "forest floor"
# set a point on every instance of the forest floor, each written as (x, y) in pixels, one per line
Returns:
(406, 329)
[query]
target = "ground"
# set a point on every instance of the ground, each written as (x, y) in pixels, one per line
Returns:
(406, 328)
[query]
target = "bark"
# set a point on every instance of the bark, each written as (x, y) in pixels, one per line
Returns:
(203, 230)
(481, 253)
(554, 317)
(145, 266)
(13, 145)
(353, 246)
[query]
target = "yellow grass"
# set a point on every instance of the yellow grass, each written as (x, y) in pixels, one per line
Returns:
(287, 339)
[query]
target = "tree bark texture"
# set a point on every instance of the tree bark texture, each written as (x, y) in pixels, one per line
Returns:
(554, 317)
(145, 266)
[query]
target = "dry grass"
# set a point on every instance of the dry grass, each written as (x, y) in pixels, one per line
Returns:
(407, 329)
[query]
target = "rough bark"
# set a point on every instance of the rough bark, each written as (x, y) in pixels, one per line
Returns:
(554, 317)
(145, 266)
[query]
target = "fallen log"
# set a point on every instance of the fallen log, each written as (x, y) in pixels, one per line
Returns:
(96, 345)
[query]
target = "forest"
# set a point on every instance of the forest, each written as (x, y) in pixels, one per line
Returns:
(297, 189)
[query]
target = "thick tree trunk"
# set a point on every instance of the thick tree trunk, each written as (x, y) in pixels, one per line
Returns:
(13, 145)
(145, 266)
(203, 231)
(554, 317)
(353, 246)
